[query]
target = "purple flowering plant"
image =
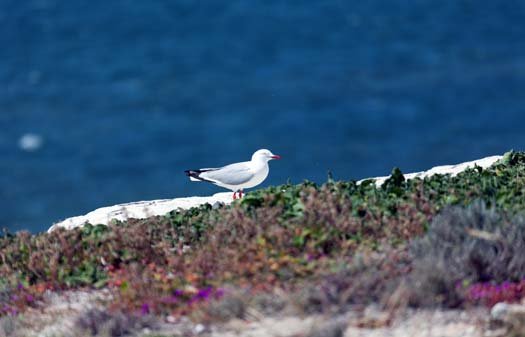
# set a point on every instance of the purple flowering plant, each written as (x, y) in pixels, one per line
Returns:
(489, 294)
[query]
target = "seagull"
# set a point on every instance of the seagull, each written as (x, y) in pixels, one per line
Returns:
(237, 176)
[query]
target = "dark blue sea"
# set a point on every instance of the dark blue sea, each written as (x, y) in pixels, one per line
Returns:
(104, 102)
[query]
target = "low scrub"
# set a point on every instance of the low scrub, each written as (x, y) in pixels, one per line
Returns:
(464, 247)
(340, 243)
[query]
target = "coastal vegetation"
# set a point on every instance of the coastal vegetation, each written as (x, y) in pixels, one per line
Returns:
(442, 241)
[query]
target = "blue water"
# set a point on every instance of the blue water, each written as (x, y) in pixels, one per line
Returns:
(125, 95)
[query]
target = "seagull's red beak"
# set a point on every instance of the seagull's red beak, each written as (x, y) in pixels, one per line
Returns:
(275, 156)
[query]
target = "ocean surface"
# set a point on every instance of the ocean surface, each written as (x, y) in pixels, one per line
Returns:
(109, 102)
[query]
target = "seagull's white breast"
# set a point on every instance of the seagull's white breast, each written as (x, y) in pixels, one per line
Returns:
(259, 176)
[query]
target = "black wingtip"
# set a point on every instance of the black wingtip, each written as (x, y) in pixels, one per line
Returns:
(193, 174)
(196, 174)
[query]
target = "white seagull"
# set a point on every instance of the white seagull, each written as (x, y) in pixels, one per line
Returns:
(238, 176)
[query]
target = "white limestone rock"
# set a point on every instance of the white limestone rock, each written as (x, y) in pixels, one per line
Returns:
(140, 210)
(508, 312)
(445, 169)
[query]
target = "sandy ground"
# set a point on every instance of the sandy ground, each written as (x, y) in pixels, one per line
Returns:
(59, 314)
(431, 323)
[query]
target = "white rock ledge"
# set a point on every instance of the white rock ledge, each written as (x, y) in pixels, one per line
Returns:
(144, 209)
(140, 210)
(445, 169)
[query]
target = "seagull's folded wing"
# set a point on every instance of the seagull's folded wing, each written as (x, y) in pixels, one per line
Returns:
(234, 174)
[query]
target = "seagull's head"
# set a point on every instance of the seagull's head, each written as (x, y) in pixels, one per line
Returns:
(264, 155)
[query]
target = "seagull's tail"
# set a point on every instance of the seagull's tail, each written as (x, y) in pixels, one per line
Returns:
(195, 175)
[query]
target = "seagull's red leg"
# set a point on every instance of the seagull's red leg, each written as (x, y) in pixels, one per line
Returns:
(240, 194)
(234, 195)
